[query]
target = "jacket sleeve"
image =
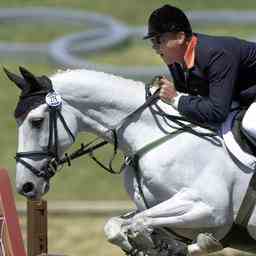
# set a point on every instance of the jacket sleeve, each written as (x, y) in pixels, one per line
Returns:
(221, 72)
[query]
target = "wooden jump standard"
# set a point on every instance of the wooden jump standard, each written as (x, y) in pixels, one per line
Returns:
(37, 240)
(11, 242)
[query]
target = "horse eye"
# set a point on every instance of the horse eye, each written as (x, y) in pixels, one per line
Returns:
(37, 123)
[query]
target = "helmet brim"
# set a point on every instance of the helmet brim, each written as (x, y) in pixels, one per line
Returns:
(150, 35)
(146, 37)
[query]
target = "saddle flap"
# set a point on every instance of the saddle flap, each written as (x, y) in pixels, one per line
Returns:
(237, 143)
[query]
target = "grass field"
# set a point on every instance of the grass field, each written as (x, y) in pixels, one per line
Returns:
(77, 236)
(28, 32)
(133, 11)
(82, 236)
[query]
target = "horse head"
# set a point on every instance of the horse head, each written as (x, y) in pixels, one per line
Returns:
(43, 132)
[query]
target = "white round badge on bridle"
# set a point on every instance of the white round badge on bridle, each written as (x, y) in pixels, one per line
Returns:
(53, 99)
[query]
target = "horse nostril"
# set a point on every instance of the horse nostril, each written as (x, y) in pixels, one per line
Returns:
(28, 187)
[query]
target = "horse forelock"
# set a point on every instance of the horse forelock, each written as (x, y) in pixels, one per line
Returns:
(25, 105)
(31, 99)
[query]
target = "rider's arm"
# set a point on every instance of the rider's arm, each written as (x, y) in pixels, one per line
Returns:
(221, 72)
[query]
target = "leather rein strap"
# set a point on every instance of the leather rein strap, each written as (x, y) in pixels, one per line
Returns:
(85, 149)
(52, 149)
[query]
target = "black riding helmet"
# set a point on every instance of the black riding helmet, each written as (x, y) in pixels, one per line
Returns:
(167, 19)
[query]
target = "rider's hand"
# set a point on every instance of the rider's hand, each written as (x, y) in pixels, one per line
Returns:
(167, 92)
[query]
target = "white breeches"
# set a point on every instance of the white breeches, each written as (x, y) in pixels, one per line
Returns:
(249, 121)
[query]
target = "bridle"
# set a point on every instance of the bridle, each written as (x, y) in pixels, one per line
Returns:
(54, 103)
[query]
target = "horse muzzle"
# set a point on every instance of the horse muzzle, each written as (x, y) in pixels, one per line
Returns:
(33, 190)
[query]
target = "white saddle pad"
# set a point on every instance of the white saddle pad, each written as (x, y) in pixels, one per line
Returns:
(232, 146)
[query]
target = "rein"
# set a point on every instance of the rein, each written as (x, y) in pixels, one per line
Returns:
(85, 149)
(54, 103)
(150, 100)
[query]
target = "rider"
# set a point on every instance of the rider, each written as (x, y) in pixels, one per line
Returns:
(209, 72)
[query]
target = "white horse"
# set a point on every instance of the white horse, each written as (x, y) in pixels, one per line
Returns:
(190, 184)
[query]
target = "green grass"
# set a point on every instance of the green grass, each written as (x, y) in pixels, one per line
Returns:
(133, 11)
(244, 31)
(132, 53)
(79, 236)
(30, 32)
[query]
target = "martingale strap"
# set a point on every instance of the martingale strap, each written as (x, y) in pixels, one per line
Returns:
(248, 204)
(89, 149)
(110, 165)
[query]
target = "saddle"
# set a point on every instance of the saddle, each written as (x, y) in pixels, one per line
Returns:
(239, 144)
(246, 142)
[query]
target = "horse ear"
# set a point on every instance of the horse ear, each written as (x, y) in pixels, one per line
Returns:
(46, 82)
(31, 79)
(19, 81)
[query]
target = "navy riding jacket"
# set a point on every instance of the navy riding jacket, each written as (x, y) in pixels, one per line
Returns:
(224, 67)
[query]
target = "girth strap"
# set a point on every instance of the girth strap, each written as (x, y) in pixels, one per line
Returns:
(248, 204)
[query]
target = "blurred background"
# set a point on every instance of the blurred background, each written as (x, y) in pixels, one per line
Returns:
(49, 35)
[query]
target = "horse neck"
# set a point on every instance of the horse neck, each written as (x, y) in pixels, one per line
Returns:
(102, 102)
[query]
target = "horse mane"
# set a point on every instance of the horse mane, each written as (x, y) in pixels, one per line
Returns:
(103, 81)
(93, 77)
